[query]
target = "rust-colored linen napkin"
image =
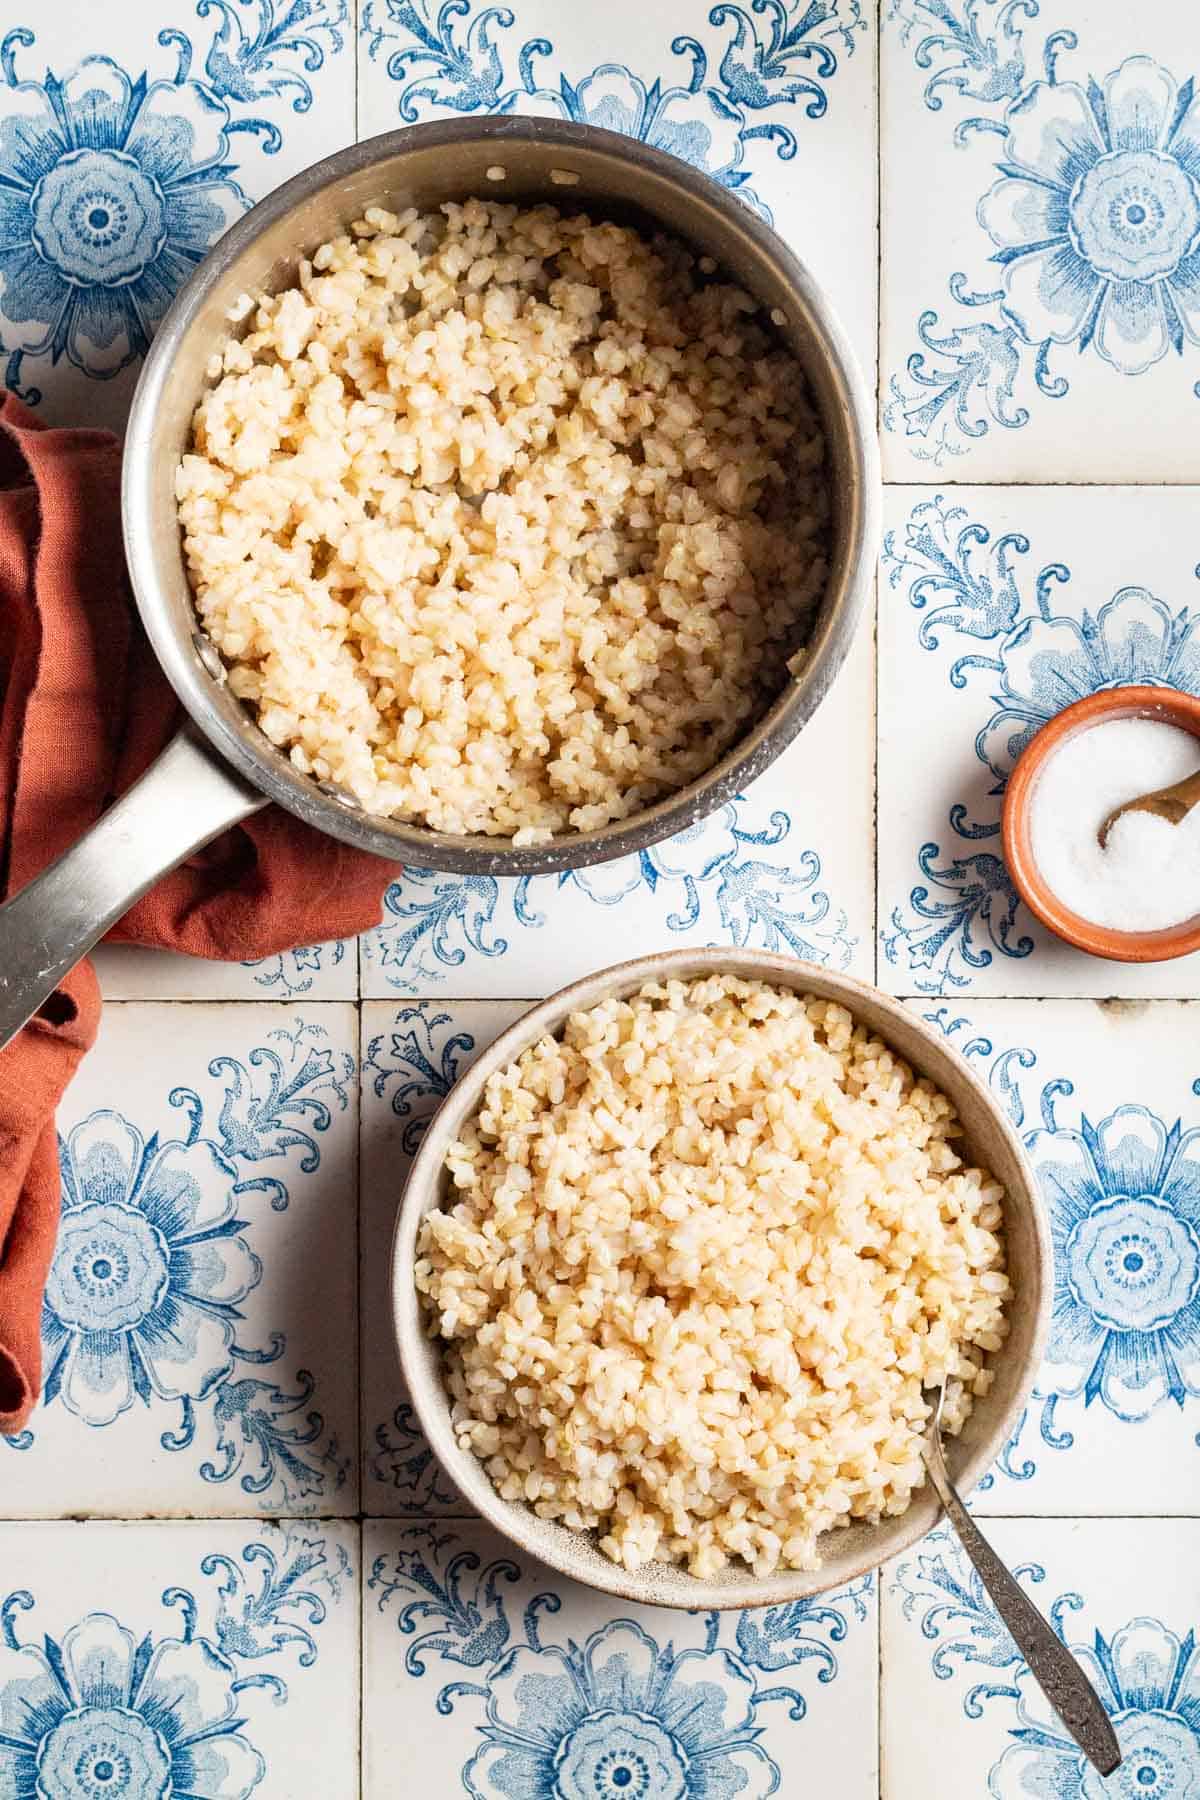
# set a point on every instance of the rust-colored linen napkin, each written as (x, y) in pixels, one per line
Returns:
(83, 711)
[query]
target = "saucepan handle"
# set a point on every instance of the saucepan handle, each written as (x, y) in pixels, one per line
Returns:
(183, 800)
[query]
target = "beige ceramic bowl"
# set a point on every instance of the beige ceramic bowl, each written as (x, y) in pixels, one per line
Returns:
(847, 1552)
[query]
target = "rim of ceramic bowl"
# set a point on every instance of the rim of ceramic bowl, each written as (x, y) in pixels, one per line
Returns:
(850, 1551)
(1170, 707)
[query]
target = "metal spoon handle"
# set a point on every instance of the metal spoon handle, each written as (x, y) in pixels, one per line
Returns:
(1051, 1664)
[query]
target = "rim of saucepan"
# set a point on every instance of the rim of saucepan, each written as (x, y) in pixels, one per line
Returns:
(238, 738)
(1171, 707)
(574, 1553)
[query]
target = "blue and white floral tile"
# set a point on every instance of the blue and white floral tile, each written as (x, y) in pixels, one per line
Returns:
(309, 972)
(776, 101)
(131, 137)
(1041, 294)
(201, 1658)
(1106, 1098)
(786, 866)
(962, 1716)
(490, 1676)
(997, 608)
(199, 1332)
(410, 1058)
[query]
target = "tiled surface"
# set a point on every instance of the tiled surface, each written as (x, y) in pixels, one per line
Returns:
(312, 972)
(223, 102)
(411, 1055)
(960, 1714)
(577, 1701)
(198, 1333)
(997, 607)
(236, 1145)
(197, 1657)
(1106, 1096)
(780, 105)
(1034, 327)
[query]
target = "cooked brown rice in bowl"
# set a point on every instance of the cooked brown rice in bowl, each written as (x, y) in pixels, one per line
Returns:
(503, 521)
(705, 1249)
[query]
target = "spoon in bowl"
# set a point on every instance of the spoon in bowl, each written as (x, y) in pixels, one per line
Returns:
(1051, 1664)
(1172, 803)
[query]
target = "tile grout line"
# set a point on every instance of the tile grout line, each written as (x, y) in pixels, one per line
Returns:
(358, 1519)
(362, 1659)
(354, 8)
(879, 1671)
(359, 1410)
(878, 417)
(981, 483)
(360, 1471)
(398, 998)
(879, 1771)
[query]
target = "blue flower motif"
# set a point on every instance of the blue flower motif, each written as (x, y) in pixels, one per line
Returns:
(605, 883)
(966, 907)
(402, 1460)
(1050, 661)
(294, 971)
(1147, 1679)
(453, 55)
(147, 1274)
(701, 127)
(702, 850)
(417, 1065)
(985, 58)
(696, 854)
(113, 189)
(958, 565)
(703, 870)
(1149, 1683)
(1097, 214)
(245, 65)
(101, 1717)
(620, 1719)
(1125, 1220)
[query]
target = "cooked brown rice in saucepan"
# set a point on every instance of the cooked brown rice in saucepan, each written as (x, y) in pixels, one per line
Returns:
(505, 521)
(704, 1253)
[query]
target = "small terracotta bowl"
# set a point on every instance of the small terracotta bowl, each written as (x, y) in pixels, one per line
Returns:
(1170, 707)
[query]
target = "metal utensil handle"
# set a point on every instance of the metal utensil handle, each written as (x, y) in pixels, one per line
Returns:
(184, 799)
(1051, 1664)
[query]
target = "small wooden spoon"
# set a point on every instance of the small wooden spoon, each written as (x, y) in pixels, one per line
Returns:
(1172, 803)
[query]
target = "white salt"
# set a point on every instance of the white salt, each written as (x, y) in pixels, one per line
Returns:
(1148, 875)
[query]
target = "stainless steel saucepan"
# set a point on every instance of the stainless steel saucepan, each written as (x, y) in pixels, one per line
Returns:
(220, 768)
